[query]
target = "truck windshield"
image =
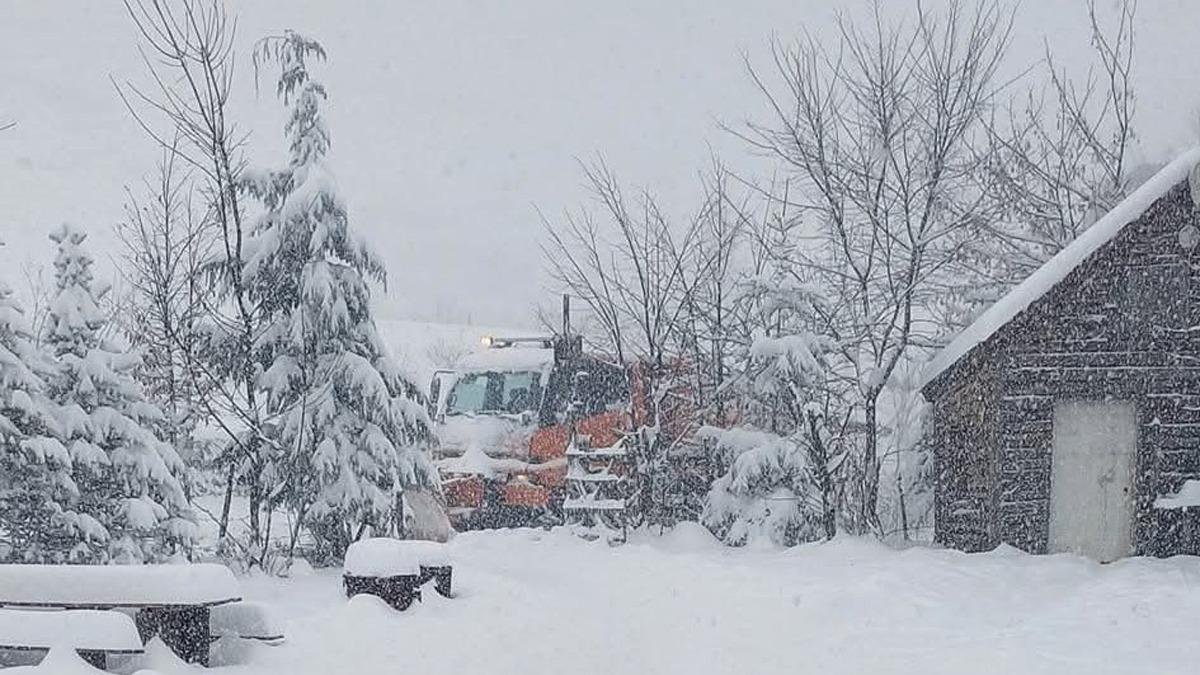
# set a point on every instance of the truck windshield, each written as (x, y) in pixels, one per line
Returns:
(495, 392)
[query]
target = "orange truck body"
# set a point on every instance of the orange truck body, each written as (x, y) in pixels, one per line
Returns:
(547, 446)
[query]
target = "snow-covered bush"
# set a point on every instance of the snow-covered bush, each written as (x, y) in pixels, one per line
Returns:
(767, 495)
(783, 458)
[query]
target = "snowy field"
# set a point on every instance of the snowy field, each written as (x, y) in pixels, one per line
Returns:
(535, 602)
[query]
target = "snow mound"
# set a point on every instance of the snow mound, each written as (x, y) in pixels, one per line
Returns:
(245, 619)
(1057, 268)
(59, 661)
(1187, 496)
(689, 536)
(227, 650)
(160, 659)
(386, 557)
(365, 608)
(300, 568)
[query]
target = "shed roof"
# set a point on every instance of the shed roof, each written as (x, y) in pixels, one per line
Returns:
(1058, 267)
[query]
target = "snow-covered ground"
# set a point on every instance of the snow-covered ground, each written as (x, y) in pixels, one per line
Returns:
(536, 602)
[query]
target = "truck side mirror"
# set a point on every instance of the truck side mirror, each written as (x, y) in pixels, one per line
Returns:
(435, 390)
(442, 382)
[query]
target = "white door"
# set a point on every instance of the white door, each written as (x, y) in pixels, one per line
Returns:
(1091, 489)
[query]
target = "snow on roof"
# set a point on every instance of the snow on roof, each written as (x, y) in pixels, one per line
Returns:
(423, 347)
(116, 585)
(89, 629)
(387, 557)
(515, 358)
(1059, 266)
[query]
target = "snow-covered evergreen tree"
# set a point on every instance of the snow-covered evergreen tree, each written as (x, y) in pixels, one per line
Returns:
(130, 502)
(351, 426)
(779, 483)
(37, 520)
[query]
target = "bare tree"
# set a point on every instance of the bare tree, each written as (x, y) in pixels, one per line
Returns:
(714, 324)
(880, 134)
(187, 48)
(1061, 156)
(39, 290)
(168, 239)
(630, 274)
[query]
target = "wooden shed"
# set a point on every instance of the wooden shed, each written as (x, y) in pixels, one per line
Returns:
(1067, 417)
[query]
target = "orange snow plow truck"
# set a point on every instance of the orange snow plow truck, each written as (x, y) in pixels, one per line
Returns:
(501, 424)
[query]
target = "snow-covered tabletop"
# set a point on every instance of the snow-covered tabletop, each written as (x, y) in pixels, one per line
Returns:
(102, 586)
(386, 557)
(87, 629)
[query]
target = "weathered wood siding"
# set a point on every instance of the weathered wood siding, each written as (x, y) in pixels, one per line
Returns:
(1119, 327)
(965, 433)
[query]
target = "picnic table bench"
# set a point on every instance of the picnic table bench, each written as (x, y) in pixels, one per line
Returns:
(94, 634)
(247, 621)
(395, 569)
(172, 602)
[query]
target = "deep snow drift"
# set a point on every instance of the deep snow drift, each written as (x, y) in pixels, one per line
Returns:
(536, 602)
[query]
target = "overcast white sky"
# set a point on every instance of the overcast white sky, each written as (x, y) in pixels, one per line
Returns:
(452, 119)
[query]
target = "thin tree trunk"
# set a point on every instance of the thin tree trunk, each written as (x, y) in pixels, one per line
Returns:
(871, 464)
(400, 532)
(223, 526)
(295, 534)
(263, 552)
(820, 460)
(256, 500)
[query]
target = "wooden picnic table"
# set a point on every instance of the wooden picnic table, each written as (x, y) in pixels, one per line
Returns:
(395, 569)
(172, 602)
